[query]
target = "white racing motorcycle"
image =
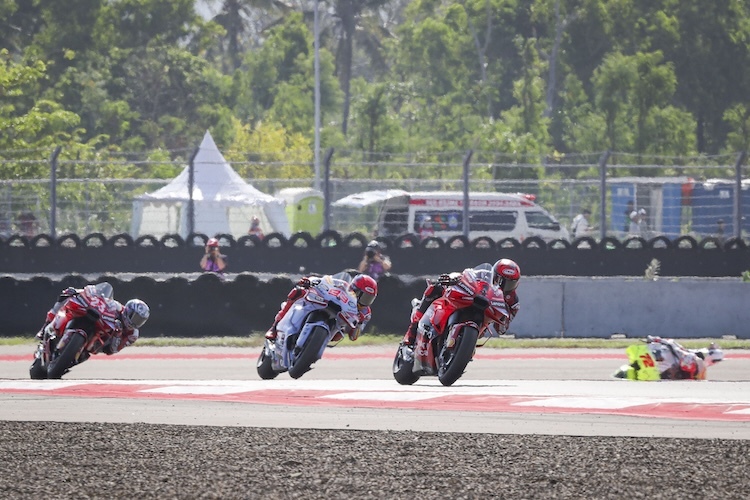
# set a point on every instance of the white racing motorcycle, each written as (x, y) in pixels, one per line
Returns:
(327, 308)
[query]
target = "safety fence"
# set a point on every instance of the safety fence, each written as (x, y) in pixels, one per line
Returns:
(679, 195)
(331, 252)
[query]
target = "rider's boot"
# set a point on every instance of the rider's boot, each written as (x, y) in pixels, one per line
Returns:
(271, 333)
(40, 333)
(291, 298)
(410, 336)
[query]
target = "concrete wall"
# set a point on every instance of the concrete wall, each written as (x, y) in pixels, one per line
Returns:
(600, 307)
(550, 306)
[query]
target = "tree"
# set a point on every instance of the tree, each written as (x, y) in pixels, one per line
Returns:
(278, 82)
(29, 122)
(243, 22)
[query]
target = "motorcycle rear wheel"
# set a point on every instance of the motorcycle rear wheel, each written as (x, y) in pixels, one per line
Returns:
(453, 362)
(67, 358)
(265, 370)
(309, 353)
(37, 371)
(403, 369)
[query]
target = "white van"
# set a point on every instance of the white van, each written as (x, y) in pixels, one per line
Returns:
(497, 215)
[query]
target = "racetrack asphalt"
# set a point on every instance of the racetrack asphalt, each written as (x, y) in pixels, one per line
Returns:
(198, 447)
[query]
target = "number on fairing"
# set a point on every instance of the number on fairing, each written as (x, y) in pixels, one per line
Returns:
(339, 294)
(647, 360)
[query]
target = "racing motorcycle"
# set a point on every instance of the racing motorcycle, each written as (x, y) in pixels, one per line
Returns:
(657, 359)
(327, 309)
(448, 332)
(84, 325)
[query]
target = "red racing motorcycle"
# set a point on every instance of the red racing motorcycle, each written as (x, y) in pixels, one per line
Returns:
(83, 326)
(448, 332)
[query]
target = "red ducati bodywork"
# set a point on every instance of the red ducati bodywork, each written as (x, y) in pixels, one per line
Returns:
(449, 329)
(83, 326)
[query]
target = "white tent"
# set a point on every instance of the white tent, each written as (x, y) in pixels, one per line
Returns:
(223, 202)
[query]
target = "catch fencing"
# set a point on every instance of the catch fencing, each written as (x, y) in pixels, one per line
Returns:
(51, 193)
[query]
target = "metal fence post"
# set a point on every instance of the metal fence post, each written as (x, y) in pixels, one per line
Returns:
(467, 162)
(53, 192)
(191, 203)
(327, 190)
(737, 208)
(603, 193)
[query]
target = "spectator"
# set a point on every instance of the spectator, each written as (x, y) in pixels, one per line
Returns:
(374, 263)
(255, 229)
(626, 221)
(213, 261)
(580, 226)
(425, 228)
(720, 230)
(27, 224)
(638, 223)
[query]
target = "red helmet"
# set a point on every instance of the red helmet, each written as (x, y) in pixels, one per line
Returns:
(505, 274)
(365, 288)
(213, 242)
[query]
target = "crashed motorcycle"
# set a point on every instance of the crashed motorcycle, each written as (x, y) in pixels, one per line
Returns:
(657, 359)
(327, 309)
(85, 325)
(448, 332)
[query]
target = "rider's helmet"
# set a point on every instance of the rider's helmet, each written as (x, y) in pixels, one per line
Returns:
(136, 313)
(505, 274)
(213, 242)
(365, 288)
(715, 354)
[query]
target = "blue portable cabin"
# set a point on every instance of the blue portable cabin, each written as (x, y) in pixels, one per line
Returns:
(712, 200)
(662, 197)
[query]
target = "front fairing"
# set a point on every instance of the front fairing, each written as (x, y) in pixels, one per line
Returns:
(329, 304)
(474, 290)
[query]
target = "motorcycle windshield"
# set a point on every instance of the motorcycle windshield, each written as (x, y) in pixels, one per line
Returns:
(482, 272)
(343, 276)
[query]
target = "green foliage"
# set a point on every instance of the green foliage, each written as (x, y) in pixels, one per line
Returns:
(434, 78)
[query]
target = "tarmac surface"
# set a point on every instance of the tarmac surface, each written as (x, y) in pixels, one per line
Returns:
(535, 423)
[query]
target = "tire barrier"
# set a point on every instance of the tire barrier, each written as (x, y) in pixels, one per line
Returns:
(331, 252)
(551, 307)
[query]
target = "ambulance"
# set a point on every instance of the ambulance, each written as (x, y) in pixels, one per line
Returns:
(441, 214)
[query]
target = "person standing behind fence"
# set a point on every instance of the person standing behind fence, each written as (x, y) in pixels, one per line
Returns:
(720, 230)
(626, 219)
(638, 226)
(255, 229)
(580, 226)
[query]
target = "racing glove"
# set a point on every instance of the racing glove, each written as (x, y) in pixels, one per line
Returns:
(304, 282)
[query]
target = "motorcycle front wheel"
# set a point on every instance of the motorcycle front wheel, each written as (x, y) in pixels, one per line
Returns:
(403, 368)
(67, 357)
(38, 371)
(265, 370)
(308, 353)
(452, 362)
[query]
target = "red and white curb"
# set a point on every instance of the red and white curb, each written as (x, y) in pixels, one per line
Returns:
(721, 401)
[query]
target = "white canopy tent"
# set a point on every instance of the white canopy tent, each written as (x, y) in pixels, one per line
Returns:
(223, 202)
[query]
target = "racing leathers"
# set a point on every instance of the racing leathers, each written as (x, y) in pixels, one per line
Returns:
(675, 361)
(298, 292)
(436, 289)
(125, 334)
